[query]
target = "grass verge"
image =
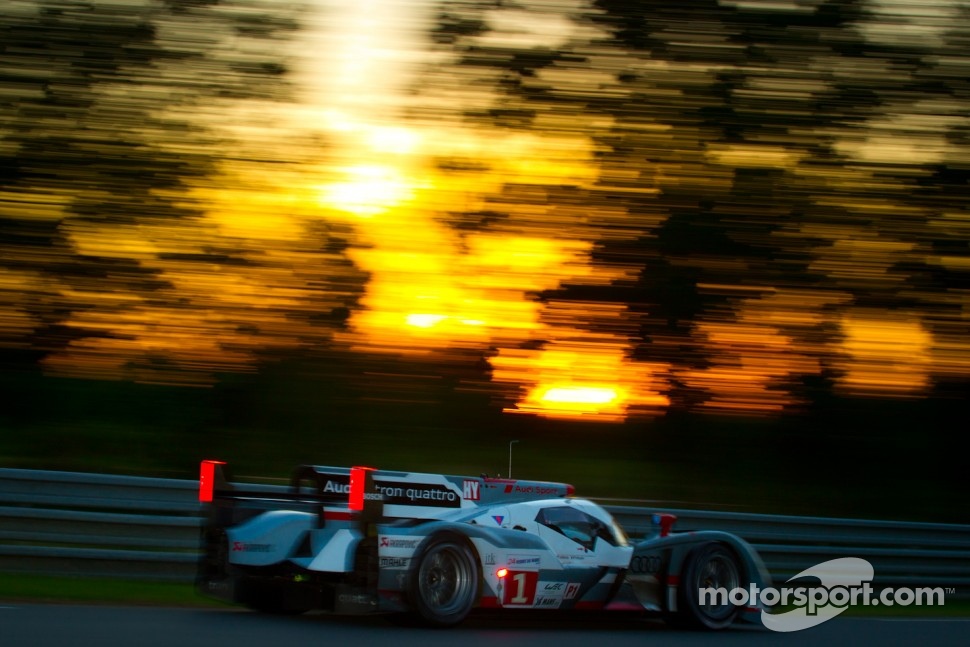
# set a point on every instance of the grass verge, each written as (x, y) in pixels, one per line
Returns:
(47, 588)
(951, 608)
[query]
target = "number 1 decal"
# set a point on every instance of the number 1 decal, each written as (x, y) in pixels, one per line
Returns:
(520, 588)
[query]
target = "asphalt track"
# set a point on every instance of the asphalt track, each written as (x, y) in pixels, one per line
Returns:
(39, 625)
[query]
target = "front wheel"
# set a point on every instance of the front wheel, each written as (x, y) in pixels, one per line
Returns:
(444, 585)
(712, 566)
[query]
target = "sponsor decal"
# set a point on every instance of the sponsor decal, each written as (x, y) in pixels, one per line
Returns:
(649, 564)
(519, 588)
(524, 560)
(392, 542)
(571, 590)
(471, 491)
(336, 487)
(498, 518)
(426, 494)
(549, 595)
(545, 602)
(489, 559)
(395, 562)
(246, 547)
(540, 490)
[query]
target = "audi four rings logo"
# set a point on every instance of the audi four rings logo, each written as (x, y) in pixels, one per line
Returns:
(645, 564)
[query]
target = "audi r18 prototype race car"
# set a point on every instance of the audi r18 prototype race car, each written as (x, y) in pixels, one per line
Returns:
(434, 547)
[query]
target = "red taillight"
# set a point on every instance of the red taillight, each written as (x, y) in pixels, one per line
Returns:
(207, 480)
(502, 572)
(358, 483)
(570, 490)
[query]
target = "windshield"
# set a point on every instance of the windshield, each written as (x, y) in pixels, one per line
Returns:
(580, 526)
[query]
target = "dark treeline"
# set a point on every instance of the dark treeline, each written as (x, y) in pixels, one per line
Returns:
(871, 458)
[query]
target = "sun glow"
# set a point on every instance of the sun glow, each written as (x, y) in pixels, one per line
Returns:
(885, 354)
(428, 282)
(400, 141)
(424, 320)
(369, 190)
(583, 375)
(579, 395)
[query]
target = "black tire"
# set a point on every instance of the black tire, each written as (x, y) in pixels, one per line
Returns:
(443, 586)
(709, 566)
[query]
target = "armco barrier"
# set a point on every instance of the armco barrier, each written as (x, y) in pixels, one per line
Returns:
(902, 553)
(101, 525)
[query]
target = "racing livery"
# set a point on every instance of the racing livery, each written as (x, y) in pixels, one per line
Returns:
(433, 547)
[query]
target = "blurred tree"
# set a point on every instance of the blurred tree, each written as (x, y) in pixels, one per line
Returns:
(108, 112)
(787, 175)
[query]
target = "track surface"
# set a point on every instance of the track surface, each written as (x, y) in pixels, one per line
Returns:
(38, 625)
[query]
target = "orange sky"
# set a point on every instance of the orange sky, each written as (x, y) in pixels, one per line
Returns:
(374, 181)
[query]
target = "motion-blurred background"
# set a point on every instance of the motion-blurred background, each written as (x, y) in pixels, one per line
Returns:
(707, 253)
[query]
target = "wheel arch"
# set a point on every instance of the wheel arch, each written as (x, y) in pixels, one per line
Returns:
(679, 548)
(436, 537)
(680, 608)
(682, 545)
(689, 551)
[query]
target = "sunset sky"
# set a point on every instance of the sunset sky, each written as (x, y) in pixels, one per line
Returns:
(358, 153)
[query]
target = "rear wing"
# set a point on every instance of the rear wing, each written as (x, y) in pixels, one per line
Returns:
(385, 493)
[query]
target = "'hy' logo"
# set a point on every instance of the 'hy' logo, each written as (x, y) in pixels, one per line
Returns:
(472, 491)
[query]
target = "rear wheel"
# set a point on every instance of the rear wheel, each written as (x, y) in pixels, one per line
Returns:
(712, 566)
(444, 585)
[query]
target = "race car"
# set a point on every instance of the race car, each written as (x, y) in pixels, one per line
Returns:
(431, 548)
